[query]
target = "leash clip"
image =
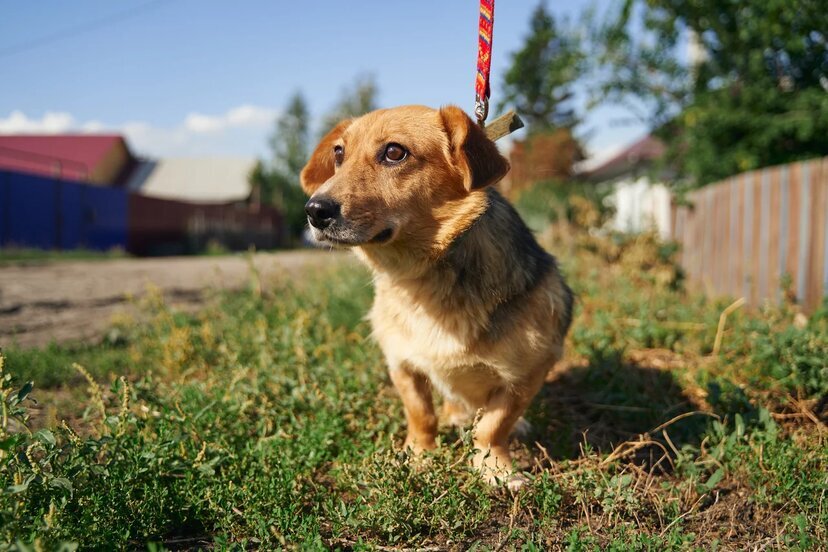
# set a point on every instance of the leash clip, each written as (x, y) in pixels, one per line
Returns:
(481, 109)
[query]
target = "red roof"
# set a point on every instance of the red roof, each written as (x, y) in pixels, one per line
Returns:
(648, 148)
(70, 156)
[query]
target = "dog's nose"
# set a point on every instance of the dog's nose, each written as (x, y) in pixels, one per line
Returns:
(321, 211)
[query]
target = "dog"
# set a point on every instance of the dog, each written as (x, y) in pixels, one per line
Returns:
(466, 301)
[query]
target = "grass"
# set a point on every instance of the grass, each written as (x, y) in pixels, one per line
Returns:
(267, 421)
(23, 255)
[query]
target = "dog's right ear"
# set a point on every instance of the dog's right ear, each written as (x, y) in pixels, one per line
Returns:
(473, 153)
(320, 167)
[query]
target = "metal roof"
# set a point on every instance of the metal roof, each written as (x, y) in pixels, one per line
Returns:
(649, 148)
(70, 156)
(200, 179)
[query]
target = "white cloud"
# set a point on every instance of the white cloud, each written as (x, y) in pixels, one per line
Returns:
(241, 130)
(50, 123)
(238, 117)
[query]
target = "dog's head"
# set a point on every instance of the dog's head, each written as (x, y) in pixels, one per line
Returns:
(396, 173)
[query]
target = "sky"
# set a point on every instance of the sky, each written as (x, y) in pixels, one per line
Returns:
(208, 77)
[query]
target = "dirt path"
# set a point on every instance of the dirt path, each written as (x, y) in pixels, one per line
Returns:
(76, 300)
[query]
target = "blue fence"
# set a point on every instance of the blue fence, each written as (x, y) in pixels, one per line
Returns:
(45, 213)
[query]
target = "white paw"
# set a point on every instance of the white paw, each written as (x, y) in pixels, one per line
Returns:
(516, 481)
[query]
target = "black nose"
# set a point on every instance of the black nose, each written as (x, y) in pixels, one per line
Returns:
(321, 211)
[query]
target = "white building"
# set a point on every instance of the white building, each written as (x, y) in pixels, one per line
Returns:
(640, 202)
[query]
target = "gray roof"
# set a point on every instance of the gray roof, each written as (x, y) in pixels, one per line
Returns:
(199, 180)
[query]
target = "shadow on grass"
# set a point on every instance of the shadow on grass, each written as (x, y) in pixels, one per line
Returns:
(608, 402)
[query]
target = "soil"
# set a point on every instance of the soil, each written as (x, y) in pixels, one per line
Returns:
(64, 301)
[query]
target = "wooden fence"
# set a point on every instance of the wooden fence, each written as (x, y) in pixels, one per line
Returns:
(759, 233)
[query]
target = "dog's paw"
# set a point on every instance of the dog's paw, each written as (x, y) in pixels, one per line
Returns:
(516, 482)
(418, 446)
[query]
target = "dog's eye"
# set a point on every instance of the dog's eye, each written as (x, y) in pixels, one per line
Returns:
(339, 155)
(394, 153)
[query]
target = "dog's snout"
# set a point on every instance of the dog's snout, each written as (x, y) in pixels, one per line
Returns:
(321, 211)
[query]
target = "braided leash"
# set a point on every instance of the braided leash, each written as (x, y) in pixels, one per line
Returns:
(484, 60)
(509, 122)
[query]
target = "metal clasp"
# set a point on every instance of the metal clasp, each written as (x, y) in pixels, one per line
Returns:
(481, 109)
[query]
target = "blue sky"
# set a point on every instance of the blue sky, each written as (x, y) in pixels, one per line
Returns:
(203, 77)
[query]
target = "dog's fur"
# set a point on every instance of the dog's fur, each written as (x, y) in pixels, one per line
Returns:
(467, 302)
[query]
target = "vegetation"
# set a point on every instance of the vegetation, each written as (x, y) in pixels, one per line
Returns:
(754, 92)
(540, 79)
(267, 420)
(24, 255)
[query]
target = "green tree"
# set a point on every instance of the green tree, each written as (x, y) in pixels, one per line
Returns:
(278, 180)
(754, 94)
(353, 102)
(289, 142)
(540, 79)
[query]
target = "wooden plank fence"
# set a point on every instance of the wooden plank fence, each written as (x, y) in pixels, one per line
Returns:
(750, 234)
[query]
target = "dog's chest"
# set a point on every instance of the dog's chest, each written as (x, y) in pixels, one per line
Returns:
(431, 337)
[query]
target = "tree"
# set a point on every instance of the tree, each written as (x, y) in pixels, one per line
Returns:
(289, 141)
(755, 94)
(353, 102)
(278, 180)
(539, 81)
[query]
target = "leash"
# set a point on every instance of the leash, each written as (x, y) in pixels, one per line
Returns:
(509, 122)
(484, 61)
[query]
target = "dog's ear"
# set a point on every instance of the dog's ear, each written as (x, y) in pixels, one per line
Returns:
(475, 155)
(320, 167)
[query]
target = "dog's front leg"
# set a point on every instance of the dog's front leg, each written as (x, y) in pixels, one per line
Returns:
(415, 391)
(491, 435)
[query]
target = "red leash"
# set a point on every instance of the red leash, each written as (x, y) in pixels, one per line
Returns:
(484, 60)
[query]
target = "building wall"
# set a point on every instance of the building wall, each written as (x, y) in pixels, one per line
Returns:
(47, 213)
(641, 205)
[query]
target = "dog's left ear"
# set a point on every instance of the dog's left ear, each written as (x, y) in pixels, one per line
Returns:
(320, 166)
(476, 156)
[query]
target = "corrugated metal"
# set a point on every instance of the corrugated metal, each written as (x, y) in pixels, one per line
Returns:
(46, 213)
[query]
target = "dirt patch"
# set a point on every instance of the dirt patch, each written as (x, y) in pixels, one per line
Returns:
(77, 300)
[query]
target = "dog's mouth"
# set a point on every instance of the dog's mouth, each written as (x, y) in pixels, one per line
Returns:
(331, 236)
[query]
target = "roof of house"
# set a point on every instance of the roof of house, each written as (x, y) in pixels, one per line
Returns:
(71, 156)
(200, 180)
(649, 148)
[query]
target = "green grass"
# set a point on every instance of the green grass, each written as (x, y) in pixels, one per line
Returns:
(268, 421)
(22, 255)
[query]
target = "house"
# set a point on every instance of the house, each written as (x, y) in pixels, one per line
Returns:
(89, 191)
(640, 197)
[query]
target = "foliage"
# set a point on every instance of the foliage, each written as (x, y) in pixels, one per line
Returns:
(755, 93)
(267, 421)
(353, 102)
(289, 142)
(562, 201)
(278, 181)
(539, 81)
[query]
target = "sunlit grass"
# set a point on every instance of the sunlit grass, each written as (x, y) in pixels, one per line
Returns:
(267, 420)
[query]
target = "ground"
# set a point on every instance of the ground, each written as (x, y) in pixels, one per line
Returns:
(264, 419)
(43, 301)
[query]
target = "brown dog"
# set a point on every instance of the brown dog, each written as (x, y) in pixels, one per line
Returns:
(466, 300)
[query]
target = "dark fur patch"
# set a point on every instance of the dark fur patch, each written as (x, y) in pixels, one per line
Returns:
(499, 262)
